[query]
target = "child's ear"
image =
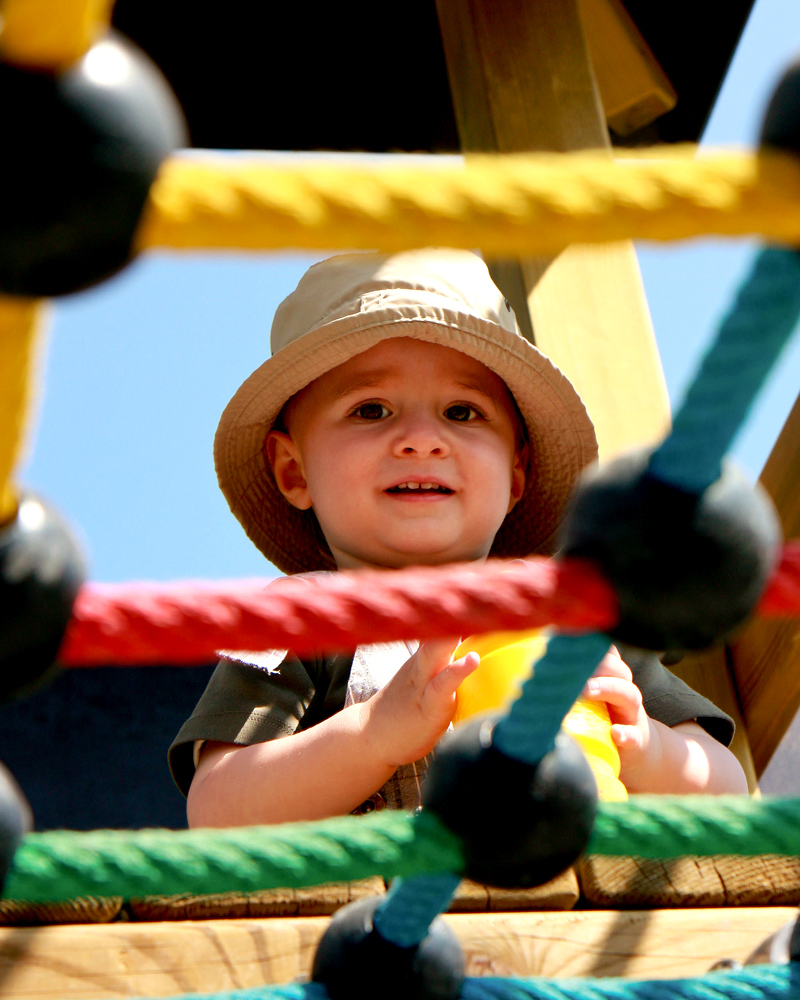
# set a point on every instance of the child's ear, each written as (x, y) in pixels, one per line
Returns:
(519, 475)
(287, 467)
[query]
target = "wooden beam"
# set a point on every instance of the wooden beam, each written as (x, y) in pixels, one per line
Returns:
(521, 79)
(634, 89)
(766, 656)
(121, 960)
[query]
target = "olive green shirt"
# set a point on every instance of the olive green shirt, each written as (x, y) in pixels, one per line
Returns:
(246, 704)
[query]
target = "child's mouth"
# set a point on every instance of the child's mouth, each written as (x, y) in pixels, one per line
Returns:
(419, 488)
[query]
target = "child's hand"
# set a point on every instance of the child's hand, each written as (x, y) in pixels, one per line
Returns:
(634, 733)
(405, 720)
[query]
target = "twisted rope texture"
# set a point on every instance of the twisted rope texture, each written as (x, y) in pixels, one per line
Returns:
(748, 343)
(664, 826)
(764, 982)
(529, 729)
(188, 623)
(60, 865)
(758, 982)
(127, 624)
(512, 205)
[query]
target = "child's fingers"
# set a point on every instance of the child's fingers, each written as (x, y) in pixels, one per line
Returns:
(623, 698)
(612, 665)
(447, 681)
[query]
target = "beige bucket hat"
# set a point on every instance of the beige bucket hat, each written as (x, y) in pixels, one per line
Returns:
(343, 306)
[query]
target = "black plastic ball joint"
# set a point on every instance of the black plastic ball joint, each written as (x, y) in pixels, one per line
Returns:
(80, 151)
(15, 821)
(41, 571)
(354, 962)
(687, 570)
(521, 824)
(781, 126)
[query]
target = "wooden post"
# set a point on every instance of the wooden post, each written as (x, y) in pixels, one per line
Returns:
(522, 79)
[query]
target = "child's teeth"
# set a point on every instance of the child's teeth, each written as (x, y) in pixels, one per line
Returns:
(427, 486)
(413, 486)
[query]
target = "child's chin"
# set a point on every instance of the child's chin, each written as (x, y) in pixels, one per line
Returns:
(435, 554)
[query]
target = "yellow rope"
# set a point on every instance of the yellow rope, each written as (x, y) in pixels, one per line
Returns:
(51, 34)
(508, 205)
(20, 321)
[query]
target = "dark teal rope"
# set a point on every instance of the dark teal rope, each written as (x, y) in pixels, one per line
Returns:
(527, 733)
(749, 341)
(756, 982)
(411, 905)
(529, 729)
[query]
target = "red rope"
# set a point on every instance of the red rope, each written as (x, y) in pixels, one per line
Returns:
(187, 623)
(182, 624)
(782, 596)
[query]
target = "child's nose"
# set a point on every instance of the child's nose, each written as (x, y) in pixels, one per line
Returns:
(422, 436)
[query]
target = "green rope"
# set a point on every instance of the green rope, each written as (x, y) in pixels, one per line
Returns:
(62, 865)
(666, 826)
(757, 982)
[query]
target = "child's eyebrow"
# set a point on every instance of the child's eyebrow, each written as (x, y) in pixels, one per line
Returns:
(476, 386)
(367, 380)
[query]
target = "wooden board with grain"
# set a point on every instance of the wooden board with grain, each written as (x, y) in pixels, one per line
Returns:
(105, 961)
(620, 882)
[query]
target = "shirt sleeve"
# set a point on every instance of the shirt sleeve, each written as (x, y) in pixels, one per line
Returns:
(254, 698)
(244, 704)
(670, 700)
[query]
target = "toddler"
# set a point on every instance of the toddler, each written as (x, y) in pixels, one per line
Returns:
(402, 420)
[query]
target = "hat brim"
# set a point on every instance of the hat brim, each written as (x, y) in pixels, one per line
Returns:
(561, 435)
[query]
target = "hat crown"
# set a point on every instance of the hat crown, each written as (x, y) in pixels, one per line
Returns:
(352, 284)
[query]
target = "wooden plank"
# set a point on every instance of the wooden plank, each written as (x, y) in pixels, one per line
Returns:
(103, 961)
(633, 87)
(766, 656)
(724, 880)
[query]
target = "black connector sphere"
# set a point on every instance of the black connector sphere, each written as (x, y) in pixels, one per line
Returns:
(354, 962)
(15, 821)
(521, 825)
(781, 127)
(687, 570)
(80, 151)
(41, 571)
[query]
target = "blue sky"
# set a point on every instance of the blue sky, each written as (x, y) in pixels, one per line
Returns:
(138, 370)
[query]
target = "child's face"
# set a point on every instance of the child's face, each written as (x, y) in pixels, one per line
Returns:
(407, 454)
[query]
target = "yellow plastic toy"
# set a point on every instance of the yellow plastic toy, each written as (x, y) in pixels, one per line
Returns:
(506, 661)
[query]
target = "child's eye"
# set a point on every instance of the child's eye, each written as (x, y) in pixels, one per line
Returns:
(461, 412)
(371, 411)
